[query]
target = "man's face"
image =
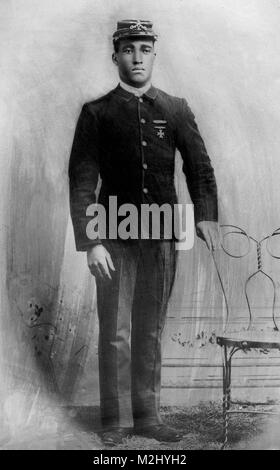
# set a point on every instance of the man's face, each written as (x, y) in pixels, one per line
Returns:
(135, 60)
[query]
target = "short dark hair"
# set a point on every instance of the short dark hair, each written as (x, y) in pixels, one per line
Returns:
(116, 44)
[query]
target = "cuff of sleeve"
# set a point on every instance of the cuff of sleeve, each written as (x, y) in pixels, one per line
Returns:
(86, 246)
(202, 213)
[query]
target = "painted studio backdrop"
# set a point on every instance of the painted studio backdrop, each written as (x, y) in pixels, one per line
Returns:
(223, 57)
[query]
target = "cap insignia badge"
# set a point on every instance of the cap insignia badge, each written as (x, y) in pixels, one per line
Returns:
(139, 26)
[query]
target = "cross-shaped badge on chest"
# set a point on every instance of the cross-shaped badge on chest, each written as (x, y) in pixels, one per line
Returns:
(160, 134)
(160, 127)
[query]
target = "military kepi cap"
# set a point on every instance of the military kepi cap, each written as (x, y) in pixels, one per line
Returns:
(133, 29)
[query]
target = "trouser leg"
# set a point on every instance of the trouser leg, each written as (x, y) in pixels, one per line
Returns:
(114, 302)
(155, 276)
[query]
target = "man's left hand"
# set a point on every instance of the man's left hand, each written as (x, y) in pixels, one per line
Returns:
(209, 231)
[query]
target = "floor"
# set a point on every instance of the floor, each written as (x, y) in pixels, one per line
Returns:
(72, 428)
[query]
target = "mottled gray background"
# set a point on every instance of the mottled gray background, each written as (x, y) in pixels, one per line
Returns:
(223, 57)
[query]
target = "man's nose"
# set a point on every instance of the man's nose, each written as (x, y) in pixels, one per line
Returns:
(137, 57)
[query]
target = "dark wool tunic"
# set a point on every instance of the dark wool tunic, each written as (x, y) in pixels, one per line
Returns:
(130, 143)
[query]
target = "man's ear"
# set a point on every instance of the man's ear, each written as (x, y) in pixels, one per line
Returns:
(115, 59)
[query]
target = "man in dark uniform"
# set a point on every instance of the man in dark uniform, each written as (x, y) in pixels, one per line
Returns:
(128, 138)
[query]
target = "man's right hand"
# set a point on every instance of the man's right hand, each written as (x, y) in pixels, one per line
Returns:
(100, 262)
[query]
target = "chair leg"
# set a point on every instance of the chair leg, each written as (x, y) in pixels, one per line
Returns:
(226, 395)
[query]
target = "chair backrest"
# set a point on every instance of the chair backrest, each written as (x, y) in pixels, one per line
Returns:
(258, 246)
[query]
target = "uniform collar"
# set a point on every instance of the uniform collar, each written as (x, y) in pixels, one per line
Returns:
(150, 94)
(135, 91)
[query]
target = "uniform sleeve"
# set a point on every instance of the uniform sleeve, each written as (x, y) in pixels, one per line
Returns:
(196, 166)
(83, 176)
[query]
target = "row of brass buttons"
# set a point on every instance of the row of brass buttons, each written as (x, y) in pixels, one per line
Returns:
(144, 144)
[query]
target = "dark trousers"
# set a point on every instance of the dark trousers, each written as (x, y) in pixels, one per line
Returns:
(132, 310)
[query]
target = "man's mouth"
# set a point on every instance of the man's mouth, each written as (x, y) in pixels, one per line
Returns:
(138, 69)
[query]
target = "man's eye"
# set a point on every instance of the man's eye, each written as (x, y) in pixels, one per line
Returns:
(127, 51)
(147, 51)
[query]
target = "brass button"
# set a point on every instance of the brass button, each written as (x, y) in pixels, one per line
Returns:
(143, 121)
(145, 190)
(141, 100)
(144, 143)
(145, 166)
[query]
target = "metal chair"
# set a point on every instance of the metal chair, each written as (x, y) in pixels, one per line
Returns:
(231, 342)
